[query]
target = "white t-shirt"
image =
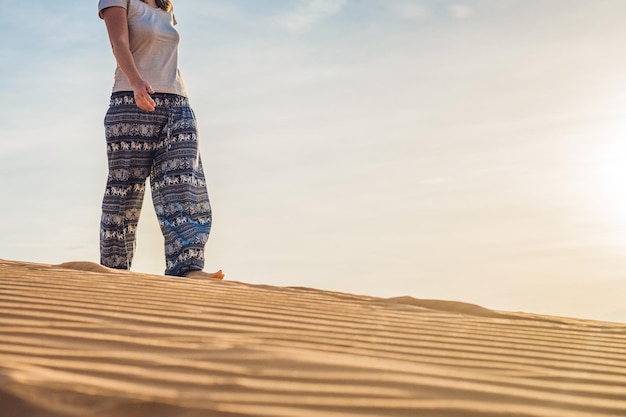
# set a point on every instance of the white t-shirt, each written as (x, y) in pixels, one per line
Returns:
(153, 44)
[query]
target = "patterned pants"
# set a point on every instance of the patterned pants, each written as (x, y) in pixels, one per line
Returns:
(161, 145)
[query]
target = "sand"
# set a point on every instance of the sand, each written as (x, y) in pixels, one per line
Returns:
(80, 340)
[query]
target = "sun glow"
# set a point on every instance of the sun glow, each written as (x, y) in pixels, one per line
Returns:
(605, 177)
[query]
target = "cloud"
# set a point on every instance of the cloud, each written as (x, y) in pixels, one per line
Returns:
(460, 11)
(408, 10)
(434, 181)
(221, 11)
(309, 13)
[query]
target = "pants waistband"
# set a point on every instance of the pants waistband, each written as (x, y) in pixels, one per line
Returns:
(124, 98)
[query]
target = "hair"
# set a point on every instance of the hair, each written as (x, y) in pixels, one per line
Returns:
(163, 4)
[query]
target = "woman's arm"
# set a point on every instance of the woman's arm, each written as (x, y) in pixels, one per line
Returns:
(117, 26)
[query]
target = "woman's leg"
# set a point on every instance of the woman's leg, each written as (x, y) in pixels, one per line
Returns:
(179, 193)
(131, 136)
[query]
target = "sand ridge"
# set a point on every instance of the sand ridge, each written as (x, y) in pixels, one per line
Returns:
(79, 340)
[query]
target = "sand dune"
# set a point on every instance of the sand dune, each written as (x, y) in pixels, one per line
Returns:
(80, 340)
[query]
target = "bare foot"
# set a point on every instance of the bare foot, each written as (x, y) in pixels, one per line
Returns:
(201, 274)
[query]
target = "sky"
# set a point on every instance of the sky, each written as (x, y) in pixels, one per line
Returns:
(466, 150)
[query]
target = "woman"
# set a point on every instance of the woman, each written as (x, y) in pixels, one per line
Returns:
(151, 132)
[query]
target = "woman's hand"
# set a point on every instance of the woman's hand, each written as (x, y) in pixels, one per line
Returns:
(142, 91)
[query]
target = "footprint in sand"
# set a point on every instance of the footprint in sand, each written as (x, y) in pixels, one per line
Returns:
(94, 267)
(88, 267)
